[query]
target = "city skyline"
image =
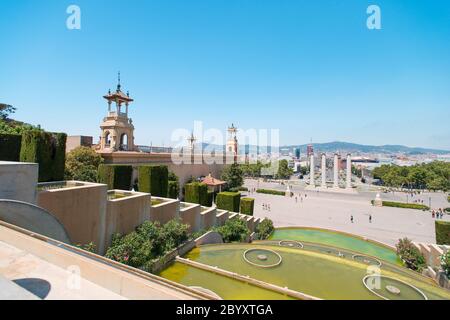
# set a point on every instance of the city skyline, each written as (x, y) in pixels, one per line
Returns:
(307, 69)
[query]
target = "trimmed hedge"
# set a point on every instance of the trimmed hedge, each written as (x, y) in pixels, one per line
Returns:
(403, 205)
(442, 232)
(174, 190)
(154, 180)
(48, 150)
(247, 205)
(274, 192)
(115, 176)
(196, 192)
(10, 146)
(228, 201)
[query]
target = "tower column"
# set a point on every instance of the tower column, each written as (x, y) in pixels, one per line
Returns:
(324, 171)
(349, 172)
(311, 172)
(336, 171)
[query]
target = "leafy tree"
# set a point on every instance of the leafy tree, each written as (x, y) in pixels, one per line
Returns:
(233, 175)
(82, 164)
(434, 175)
(6, 110)
(412, 257)
(284, 172)
(265, 229)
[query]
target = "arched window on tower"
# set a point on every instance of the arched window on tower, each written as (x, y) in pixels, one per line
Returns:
(107, 139)
(123, 142)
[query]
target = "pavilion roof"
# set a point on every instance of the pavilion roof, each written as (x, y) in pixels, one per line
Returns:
(118, 94)
(210, 181)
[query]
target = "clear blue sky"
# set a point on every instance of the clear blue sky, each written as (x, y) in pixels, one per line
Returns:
(309, 68)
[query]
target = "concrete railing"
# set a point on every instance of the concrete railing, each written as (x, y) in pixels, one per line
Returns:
(129, 282)
(432, 254)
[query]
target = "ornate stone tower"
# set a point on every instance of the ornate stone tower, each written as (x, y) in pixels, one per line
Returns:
(232, 143)
(117, 128)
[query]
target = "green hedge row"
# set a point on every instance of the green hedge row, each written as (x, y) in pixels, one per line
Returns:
(404, 205)
(196, 192)
(115, 176)
(247, 206)
(10, 146)
(228, 201)
(442, 232)
(154, 180)
(48, 150)
(274, 192)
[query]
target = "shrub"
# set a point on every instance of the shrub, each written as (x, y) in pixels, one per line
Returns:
(238, 189)
(264, 229)
(247, 205)
(82, 164)
(445, 263)
(148, 242)
(412, 257)
(48, 150)
(115, 176)
(273, 192)
(234, 230)
(196, 192)
(154, 180)
(442, 232)
(404, 205)
(10, 146)
(228, 201)
(174, 189)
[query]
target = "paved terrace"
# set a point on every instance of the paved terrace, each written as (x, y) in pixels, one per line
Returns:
(32, 265)
(333, 211)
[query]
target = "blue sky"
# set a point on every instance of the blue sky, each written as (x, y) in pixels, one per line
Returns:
(309, 68)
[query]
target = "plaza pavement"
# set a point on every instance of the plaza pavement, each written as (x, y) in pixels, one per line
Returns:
(333, 211)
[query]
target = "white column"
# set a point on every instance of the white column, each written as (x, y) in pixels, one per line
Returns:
(324, 171)
(336, 171)
(349, 172)
(311, 172)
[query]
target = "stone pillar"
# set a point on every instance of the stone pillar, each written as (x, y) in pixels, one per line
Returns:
(336, 171)
(324, 171)
(349, 172)
(311, 172)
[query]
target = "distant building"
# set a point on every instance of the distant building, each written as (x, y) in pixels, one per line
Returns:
(297, 153)
(309, 150)
(73, 142)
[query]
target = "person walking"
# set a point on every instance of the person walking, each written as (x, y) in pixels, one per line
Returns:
(370, 218)
(351, 218)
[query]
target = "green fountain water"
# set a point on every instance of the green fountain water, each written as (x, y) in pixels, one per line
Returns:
(337, 239)
(310, 268)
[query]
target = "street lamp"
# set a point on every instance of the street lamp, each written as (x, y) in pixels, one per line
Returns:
(429, 202)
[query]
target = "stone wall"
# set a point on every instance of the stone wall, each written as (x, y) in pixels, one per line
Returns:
(81, 210)
(190, 215)
(18, 181)
(165, 211)
(123, 215)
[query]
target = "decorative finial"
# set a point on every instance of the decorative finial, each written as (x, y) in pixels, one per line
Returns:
(118, 81)
(128, 93)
